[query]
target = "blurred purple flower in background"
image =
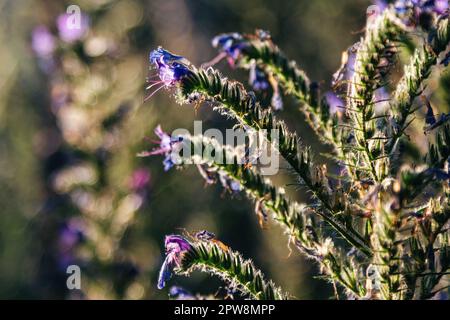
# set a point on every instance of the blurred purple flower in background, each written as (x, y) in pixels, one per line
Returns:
(70, 33)
(175, 246)
(441, 6)
(42, 42)
(139, 179)
(70, 235)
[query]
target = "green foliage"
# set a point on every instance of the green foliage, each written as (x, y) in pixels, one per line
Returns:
(232, 267)
(394, 215)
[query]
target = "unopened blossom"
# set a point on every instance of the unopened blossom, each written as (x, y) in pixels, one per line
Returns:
(258, 78)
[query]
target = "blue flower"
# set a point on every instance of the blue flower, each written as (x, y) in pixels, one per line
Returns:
(171, 68)
(257, 78)
(175, 246)
(231, 44)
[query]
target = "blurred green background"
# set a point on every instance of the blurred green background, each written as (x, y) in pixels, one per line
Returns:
(72, 121)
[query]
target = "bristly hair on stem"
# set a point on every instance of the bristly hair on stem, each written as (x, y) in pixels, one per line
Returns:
(229, 265)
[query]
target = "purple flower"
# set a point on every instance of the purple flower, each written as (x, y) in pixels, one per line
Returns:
(70, 31)
(171, 68)
(257, 78)
(175, 246)
(42, 42)
(231, 44)
(167, 145)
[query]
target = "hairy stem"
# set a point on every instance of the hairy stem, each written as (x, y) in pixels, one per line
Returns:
(373, 59)
(229, 265)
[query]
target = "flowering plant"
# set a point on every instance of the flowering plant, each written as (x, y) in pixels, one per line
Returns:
(393, 216)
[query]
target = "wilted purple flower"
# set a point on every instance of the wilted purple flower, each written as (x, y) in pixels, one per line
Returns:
(257, 78)
(139, 179)
(70, 32)
(230, 44)
(171, 68)
(42, 42)
(167, 144)
(175, 246)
